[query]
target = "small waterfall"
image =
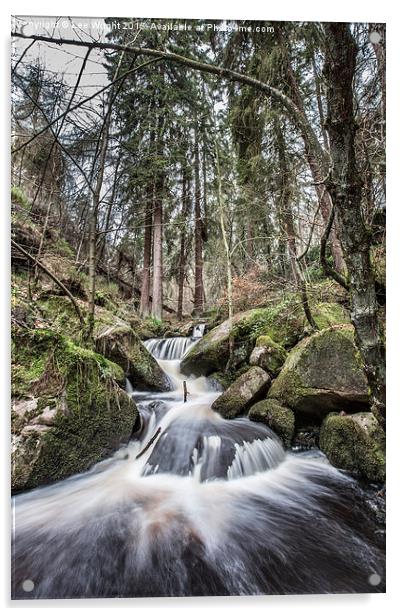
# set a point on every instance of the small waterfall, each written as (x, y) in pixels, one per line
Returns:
(198, 331)
(168, 348)
(255, 457)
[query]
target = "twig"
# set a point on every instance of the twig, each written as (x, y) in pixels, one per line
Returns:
(148, 445)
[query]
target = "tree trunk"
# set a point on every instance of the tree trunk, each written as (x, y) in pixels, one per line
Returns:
(315, 158)
(318, 95)
(346, 191)
(157, 279)
(380, 50)
(182, 255)
(287, 221)
(198, 243)
(93, 225)
(108, 216)
(146, 272)
(227, 255)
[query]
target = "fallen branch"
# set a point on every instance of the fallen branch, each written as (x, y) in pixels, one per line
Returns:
(185, 391)
(52, 276)
(148, 445)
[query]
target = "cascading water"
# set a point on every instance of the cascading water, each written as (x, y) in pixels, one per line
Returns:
(213, 507)
(198, 331)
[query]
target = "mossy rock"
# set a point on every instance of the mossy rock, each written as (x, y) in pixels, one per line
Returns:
(247, 389)
(268, 355)
(118, 342)
(327, 314)
(284, 323)
(355, 443)
(68, 409)
(279, 418)
(225, 378)
(323, 373)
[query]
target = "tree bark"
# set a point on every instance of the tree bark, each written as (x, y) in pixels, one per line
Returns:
(315, 157)
(183, 237)
(228, 258)
(198, 243)
(157, 278)
(93, 224)
(346, 192)
(146, 272)
(286, 218)
(380, 51)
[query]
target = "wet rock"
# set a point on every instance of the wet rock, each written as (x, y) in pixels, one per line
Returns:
(323, 373)
(268, 355)
(355, 443)
(279, 418)
(306, 438)
(118, 342)
(246, 390)
(76, 414)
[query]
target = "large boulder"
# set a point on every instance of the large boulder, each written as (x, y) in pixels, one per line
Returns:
(117, 341)
(323, 373)
(268, 355)
(355, 443)
(68, 412)
(211, 353)
(284, 323)
(246, 390)
(279, 418)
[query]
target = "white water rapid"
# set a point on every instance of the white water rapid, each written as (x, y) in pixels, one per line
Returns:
(213, 507)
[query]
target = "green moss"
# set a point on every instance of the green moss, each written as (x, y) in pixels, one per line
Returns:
(284, 322)
(227, 378)
(154, 326)
(280, 419)
(93, 414)
(248, 388)
(63, 248)
(19, 196)
(321, 374)
(351, 448)
(268, 354)
(120, 344)
(327, 314)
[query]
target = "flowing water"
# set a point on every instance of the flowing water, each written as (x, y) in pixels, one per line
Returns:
(212, 507)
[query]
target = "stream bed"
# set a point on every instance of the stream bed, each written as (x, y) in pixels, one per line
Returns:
(212, 507)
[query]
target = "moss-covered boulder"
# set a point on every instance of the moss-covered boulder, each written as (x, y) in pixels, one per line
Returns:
(323, 373)
(117, 341)
(225, 378)
(268, 355)
(284, 323)
(279, 418)
(355, 443)
(211, 353)
(247, 389)
(68, 408)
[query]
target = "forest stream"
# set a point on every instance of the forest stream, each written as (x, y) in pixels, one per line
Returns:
(212, 507)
